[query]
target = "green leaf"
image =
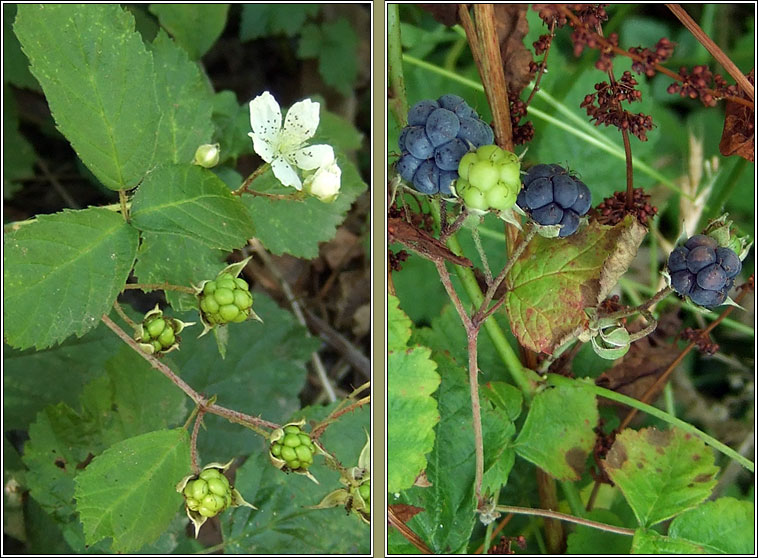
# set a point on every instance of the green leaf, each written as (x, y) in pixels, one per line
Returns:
(195, 27)
(128, 493)
(555, 279)
(448, 518)
(504, 396)
(499, 457)
(32, 379)
(15, 63)
(191, 201)
(411, 414)
(165, 257)
(558, 432)
(282, 524)
(724, 526)
(263, 374)
(43, 534)
(661, 474)
(259, 20)
(398, 325)
(334, 44)
(232, 123)
(186, 102)
(648, 542)
(19, 154)
(62, 273)
(337, 131)
(97, 77)
(297, 227)
(586, 541)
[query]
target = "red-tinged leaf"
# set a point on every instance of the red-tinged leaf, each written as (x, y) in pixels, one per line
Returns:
(555, 279)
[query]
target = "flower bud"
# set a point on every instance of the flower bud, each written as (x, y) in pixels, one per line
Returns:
(325, 182)
(207, 155)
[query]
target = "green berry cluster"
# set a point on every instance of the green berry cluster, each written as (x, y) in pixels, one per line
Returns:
(209, 494)
(489, 178)
(365, 491)
(158, 334)
(226, 299)
(295, 448)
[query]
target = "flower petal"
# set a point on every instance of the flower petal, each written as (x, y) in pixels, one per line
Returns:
(263, 148)
(285, 173)
(313, 156)
(301, 122)
(265, 117)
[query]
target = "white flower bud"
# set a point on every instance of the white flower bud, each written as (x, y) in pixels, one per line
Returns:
(207, 155)
(325, 182)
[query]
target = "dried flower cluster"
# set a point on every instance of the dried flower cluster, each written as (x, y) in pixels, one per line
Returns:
(649, 58)
(701, 339)
(522, 133)
(701, 83)
(396, 259)
(608, 110)
(612, 210)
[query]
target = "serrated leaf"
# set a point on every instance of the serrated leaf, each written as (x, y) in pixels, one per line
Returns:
(648, 542)
(558, 432)
(398, 325)
(15, 63)
(262, 374)
(297, 227)
(504, 396)
(448, 517)
(283, 524)
(232, 123)
(411, 414)
(24, 373)
(97, 77)
(62, 273)
(724, 526)
(165, 257)
(499, 457)
(128, 493)
(186, 102)
(195, 27)
(259, 20)
(335, 44)
(191, 201)
(554, 280)
(661, 474)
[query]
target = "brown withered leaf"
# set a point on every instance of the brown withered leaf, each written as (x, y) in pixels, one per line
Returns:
(512, 26)
(422, 242)
(446, 14)
(422, 481)
(646, 360)
(405, 512)
(738, 137)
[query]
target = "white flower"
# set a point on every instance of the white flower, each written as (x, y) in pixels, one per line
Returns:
(284, 146)
(325, 182)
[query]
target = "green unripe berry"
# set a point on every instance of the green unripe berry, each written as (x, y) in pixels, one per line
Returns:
(241, 283)
(276, 450)
(303, 453)
(291, 440)
(241, 317)
(145, 336)
(167, 338)
(193, 504)
(288, 454)
(226, 284)
(242, 300)
(205, 512)
(216, 486)
(365, 491)
(294, 464)
(483, 174)
(511, 174)
(291, 429)
(490, 153)
(209, 288)
(228, 311)
(225, 277)
(156, 345)
(213, 502)
(304, 439)
(209, 305)
(224, 296)
(465, 165)
(208, 474)
(155, 327)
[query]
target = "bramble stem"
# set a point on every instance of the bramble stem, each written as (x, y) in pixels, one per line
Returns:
(193, 440)
(398, 104)
(122, 202)
(249, 180)
(120, 312)
(565, 517)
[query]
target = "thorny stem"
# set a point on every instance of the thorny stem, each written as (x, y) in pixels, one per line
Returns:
(565, 517)
(661, 69)
(165, 286)
(319, 430)
(473, 378)
(120, 312)
(193, 440)
(254, 423)
(249, 180)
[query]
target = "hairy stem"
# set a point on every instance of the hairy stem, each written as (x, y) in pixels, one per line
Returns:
(565, 517)
(193, 441)
(398, 103)
(250, 179)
